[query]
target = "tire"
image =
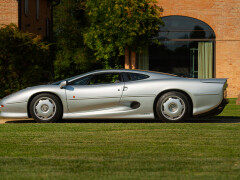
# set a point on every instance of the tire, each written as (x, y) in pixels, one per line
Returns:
(46, 108)
(173, 107)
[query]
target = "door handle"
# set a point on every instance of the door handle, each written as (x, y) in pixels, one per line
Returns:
(125, 88)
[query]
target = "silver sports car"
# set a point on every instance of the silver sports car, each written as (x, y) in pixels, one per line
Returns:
(121, 94)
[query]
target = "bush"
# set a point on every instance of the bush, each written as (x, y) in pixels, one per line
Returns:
(24, 60)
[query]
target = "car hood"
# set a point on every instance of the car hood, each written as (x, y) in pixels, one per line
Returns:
(24, 94)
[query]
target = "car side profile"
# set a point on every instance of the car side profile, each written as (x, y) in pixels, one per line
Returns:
(118, 94)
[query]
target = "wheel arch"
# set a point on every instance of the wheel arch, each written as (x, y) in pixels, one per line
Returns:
(170, 90)
(34, 95)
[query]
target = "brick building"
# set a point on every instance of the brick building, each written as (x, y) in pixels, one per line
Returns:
(8, 12)
(200, 39)
(33, 16)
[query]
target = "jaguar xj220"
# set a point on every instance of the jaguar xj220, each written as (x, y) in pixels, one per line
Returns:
(118, 94)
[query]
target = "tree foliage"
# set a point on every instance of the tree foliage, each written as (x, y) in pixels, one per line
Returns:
(72, 56)
(93, 34)
(117, 24)
(23, 60)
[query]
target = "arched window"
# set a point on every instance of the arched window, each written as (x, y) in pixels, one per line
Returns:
(187, 48)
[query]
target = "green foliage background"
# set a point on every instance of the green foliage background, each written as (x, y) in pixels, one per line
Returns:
(118, 24)
(24, 60)
(72, 55)
(93, 34)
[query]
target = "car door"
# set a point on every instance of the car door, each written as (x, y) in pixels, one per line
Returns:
(137, 93)
(135, 86)
(95, 92)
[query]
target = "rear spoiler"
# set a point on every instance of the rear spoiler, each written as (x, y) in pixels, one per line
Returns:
(217, 80)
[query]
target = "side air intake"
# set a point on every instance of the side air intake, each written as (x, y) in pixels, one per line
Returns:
(135, 105)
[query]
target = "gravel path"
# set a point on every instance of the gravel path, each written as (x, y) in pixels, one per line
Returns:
(17, 120)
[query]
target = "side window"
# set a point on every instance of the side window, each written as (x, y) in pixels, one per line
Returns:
(47, 27)
(136, 76)
(105, 78)
(26, 7)
(81, 81)
(37, 9)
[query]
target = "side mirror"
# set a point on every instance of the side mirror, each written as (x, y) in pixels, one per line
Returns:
(63, 84)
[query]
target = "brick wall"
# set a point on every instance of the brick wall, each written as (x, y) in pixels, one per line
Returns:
(8, 12)
(224, 17)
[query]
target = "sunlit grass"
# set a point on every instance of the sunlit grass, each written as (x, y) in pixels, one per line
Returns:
(232, 109)
(119, 151)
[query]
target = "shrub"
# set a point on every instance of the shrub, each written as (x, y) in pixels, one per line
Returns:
(24, 60)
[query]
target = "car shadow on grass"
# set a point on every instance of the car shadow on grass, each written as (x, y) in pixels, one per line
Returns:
(216, 119)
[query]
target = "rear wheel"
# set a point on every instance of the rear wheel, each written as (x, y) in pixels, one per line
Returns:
(46, 108)
(173, 107)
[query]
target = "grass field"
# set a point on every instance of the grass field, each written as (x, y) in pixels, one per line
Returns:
(121, 150)
(231, 109)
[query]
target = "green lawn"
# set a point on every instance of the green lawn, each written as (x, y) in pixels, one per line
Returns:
(120, 151)
(231, 109)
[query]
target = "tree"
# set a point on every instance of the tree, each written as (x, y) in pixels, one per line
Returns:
(23, 60)
(93, 34)
(72, 55)
(119, 24)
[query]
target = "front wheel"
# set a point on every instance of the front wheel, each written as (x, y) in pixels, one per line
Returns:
(46, 108)
(173, 107)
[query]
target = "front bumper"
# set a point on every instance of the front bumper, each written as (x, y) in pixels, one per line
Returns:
(215, 111)
(16, 110)
(13, 115)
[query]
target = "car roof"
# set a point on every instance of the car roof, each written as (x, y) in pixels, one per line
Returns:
(151, 73)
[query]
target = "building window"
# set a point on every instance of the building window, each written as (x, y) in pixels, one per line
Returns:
(187, 49)
(47, 27)
(37, 9)
(26, 7)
